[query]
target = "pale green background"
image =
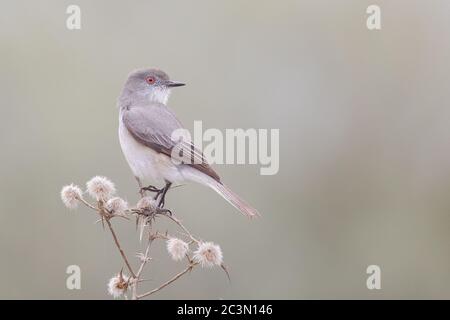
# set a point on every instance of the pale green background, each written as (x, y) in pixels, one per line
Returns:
(364, 123)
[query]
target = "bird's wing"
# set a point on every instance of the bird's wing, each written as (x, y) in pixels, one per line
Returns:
(153, 126)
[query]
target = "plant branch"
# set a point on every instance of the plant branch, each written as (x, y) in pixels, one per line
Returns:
(88, 204)
(122, 253)
(177, 276)
(146, 257)
(101, 189)
(178, 222)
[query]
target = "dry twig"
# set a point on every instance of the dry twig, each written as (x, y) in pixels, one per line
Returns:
(101, 189)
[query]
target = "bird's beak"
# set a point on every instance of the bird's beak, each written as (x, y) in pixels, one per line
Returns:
(171, 83)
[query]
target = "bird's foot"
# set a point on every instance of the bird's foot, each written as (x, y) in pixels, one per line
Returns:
(161, 202)
(150, 189)
(162, 199)
(162, 211)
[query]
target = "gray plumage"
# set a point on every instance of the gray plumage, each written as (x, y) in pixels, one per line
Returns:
(146, 125)
(152, 125)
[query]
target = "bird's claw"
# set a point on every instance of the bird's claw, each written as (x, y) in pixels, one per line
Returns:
(163, 211)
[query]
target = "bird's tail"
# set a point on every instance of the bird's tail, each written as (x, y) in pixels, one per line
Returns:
(224, 191)
(235, 200)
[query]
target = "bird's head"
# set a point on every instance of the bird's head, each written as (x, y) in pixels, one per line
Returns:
(152, 84)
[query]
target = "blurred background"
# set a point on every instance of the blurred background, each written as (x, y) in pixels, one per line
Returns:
(364, 123)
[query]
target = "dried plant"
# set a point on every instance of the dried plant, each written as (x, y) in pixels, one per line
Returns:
(108, 207)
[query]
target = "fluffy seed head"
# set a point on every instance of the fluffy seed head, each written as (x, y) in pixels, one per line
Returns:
(146, 203)
(70, 195)
(100, 188)
(116, 205)
(177, 248)
(208, 254)
(118, 285)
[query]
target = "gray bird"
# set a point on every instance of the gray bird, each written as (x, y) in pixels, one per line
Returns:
(146, 125)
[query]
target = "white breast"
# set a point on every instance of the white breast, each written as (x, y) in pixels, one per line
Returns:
(145, 163)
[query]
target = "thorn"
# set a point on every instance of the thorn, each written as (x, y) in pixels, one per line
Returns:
(177, 186)
(142, 280)
(226, 271)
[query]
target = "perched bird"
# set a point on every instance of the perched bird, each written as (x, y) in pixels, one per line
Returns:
(146, 125)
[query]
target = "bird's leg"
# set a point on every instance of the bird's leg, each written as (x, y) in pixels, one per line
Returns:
(152, 189)
(163, 211)
(163, 194)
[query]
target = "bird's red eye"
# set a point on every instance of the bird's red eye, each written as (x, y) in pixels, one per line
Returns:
(150, 80)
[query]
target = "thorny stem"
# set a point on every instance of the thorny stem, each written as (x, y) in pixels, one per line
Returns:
(178, 222)
(144, 261)
(122, 253)
(146, 257)
(116, 240)
(165, 284)
(88, 204)
(136, 277)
